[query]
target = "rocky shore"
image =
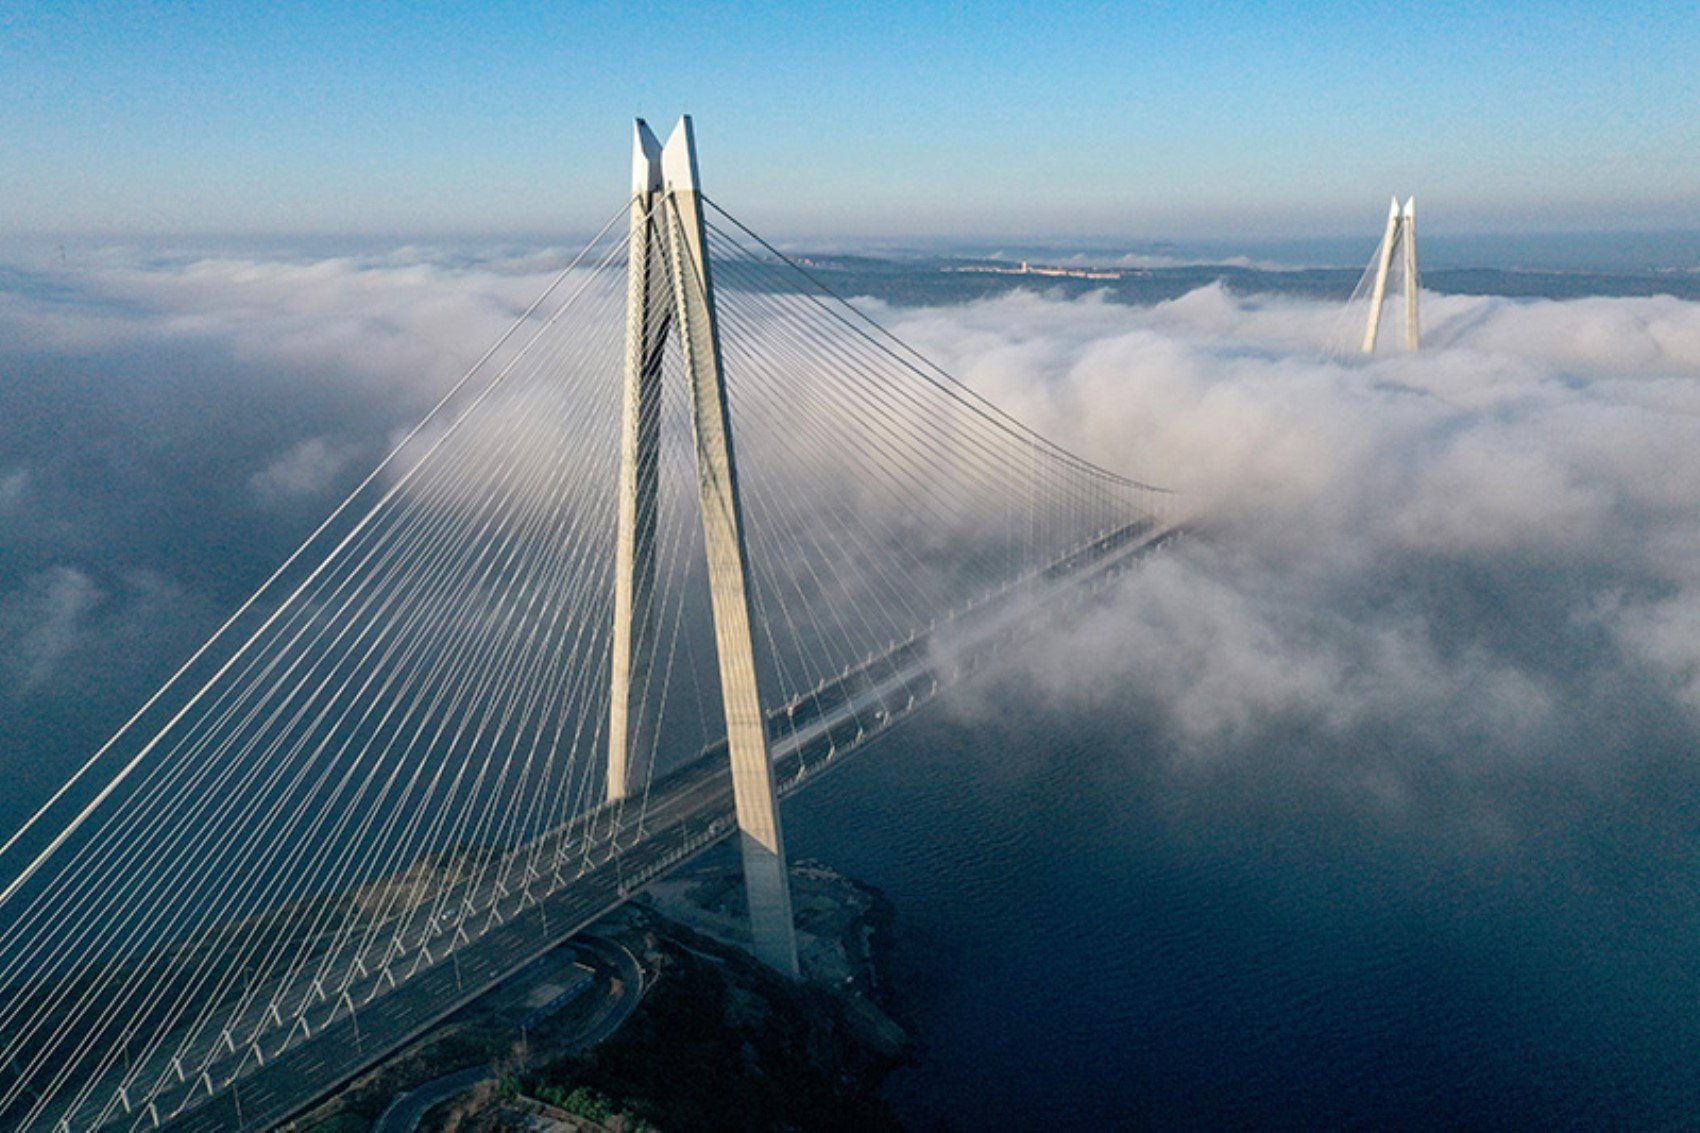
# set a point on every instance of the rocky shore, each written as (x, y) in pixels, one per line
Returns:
(717, 1040)
(722, 1043)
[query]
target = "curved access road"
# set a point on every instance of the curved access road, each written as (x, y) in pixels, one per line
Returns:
(628, 982)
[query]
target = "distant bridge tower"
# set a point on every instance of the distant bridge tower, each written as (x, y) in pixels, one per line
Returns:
(1401, 235)
(667, 213)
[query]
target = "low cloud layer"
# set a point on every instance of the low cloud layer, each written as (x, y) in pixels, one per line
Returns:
(1415, 576)
(1412, 574)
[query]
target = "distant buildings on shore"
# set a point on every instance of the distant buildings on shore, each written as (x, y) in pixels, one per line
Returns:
(1030, 269)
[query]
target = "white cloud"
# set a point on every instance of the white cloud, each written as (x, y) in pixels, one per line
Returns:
(1445, 560)
(1665, 635)
(1409, 556)
(404, 323)
(43, 622)
(306, 471)
(14, 488)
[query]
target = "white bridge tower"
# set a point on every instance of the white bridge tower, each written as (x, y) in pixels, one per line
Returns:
(667, 219)
(1401, 236)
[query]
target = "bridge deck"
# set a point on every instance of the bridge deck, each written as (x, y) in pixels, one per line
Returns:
(574, 876)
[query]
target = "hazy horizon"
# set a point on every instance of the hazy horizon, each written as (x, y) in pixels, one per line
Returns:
(1629, 250)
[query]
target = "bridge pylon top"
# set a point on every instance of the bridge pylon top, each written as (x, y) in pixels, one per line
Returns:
(679, 159)
(646, 158)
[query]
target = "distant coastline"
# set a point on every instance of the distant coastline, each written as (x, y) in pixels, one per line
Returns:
(1026, 268)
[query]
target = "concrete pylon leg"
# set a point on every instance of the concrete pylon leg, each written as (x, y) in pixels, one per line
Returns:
(1378, 295)
(1401, 240)
(1408, 240)
(648, 313)
(766, 880)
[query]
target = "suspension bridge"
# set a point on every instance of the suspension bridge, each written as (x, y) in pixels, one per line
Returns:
(686, 536)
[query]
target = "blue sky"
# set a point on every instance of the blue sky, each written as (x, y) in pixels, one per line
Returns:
(890, 119)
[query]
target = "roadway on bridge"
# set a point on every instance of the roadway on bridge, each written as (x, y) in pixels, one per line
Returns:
(687, 812)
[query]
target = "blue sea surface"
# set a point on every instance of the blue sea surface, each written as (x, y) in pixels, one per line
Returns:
(1087, 939)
